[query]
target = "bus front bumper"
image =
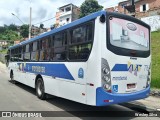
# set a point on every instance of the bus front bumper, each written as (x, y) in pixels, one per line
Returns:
(104, 98)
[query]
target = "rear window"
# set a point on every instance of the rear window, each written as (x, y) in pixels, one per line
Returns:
(128, 34)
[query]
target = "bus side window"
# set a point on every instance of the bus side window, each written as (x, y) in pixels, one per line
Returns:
(23, 51)
(41, 54)
(89, 32)
(16, 54)
(45, 49)
(35, 52)
(12, 55)
(81, 42)
(20, 54)
(27, 53)
(78, 35)
(58, 50)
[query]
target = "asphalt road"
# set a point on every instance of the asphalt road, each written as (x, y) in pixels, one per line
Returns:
(18, 97)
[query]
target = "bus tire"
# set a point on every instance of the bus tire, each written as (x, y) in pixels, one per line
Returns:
(40, 92)
(11, 75)
(12, 78)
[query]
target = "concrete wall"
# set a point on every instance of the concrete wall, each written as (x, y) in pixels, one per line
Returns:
(153, 21)
(2, 58)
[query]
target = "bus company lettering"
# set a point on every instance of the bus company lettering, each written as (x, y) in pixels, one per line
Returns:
(120, 78)
(38, 69)
(134, 68)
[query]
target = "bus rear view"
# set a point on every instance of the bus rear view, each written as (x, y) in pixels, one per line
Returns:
(125, 60)
(100, 59)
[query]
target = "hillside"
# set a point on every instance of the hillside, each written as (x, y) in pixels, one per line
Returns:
(155, 43)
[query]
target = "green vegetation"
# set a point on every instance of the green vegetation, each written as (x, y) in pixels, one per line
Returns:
(88, 7)
(155, 43)
(13, 32)
(10, 35)
(24, 31)
(4, 51)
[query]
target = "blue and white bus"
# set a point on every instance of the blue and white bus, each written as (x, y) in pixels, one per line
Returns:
(101, 59)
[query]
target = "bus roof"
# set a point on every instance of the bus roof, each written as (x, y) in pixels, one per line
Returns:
(76, 22)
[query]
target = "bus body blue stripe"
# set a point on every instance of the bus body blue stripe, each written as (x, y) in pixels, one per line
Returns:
(120, 67)
(54, 70)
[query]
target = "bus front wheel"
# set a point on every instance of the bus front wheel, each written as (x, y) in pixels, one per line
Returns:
(12, 77)
(40, 92)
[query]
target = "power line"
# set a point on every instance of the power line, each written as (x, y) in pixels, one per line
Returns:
(55, 16)
(44, 21)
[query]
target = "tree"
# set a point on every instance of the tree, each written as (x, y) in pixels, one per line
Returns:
(88, 7)
(41, 26)
(2, 29)
(13, 27)
(54, 26)
(24, 30)
(10, 35)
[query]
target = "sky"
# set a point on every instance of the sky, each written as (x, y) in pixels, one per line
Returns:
(41, 10)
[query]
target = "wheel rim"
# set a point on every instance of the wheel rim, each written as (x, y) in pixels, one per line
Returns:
(39, 88)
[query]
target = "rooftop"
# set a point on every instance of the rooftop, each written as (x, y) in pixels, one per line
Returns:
(66, 6)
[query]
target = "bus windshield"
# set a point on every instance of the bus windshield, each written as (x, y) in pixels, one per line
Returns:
(128, 34)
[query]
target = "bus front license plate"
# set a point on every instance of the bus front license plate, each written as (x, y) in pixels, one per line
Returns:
(131, 86)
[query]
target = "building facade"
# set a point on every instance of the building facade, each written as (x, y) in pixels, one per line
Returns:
(143, 8)
(67, 14)
(146, 10)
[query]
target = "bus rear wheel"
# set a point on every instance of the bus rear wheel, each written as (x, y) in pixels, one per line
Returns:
(40, 89)
(12, 78)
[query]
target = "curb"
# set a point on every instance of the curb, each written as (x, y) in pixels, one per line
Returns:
(155, 93)
(142, 106)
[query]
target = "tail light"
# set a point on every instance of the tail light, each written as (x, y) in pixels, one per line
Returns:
(106, 76)
(148, 77)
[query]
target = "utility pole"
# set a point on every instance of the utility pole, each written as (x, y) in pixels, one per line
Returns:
(30, 22)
